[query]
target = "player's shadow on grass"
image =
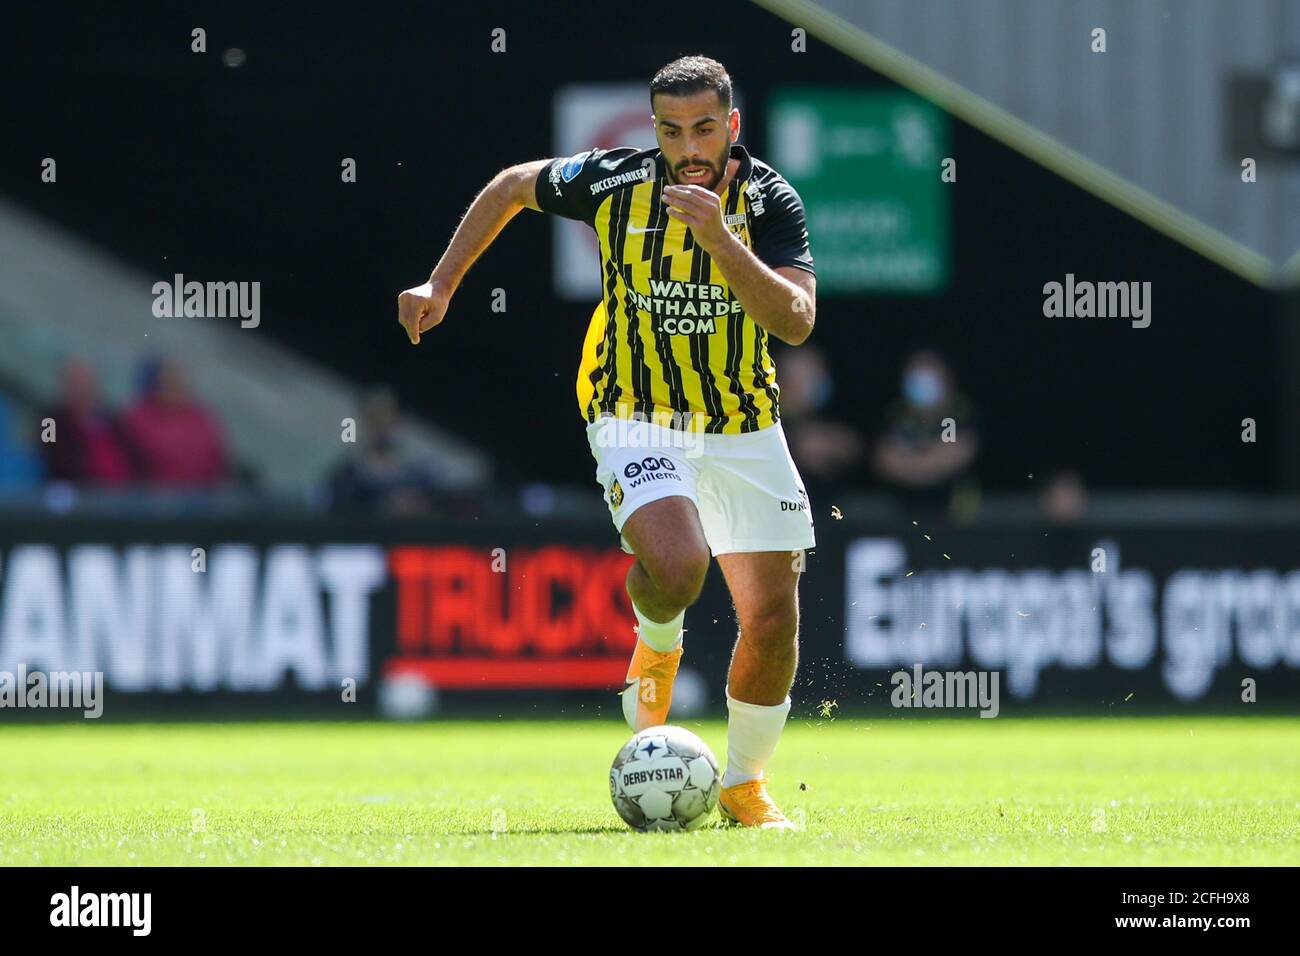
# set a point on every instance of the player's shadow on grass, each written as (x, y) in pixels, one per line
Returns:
(559, 831)
(579, 831)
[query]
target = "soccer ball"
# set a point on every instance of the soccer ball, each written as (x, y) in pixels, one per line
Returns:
(665, 778)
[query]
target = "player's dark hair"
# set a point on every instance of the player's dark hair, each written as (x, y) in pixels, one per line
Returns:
(692, 74)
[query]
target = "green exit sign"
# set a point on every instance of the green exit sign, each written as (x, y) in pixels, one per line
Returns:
(869, 165)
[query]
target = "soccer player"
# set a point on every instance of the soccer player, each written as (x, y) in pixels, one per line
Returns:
(705, 255)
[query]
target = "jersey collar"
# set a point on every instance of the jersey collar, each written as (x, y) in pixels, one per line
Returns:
(746, 168)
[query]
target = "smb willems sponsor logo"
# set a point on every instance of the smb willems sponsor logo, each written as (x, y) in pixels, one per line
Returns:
(948, 689)
(75, 908)
(80, 690)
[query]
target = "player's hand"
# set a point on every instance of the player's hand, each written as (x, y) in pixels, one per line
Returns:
(701, 210)
(420, 309)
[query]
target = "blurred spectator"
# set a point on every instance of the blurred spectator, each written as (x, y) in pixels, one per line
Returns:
(174, 440)
(381, 477)
(1064, 498)
(826, 452)
(20, 467)
(88, 447)
(930, 441)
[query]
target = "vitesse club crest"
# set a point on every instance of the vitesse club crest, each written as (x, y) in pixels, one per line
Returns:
(736, 222)
(615, 494)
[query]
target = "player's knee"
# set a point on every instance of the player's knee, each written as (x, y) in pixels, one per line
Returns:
(773, 626)
(680, 580)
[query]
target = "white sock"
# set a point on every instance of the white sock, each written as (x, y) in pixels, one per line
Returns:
(662, 637)
(753, 731)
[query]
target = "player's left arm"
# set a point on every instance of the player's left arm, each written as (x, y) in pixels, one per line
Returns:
(782, 299)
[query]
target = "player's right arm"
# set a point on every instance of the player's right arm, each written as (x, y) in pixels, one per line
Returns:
(421, 308)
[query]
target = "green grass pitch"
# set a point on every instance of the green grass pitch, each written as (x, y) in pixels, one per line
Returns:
(1170, 791)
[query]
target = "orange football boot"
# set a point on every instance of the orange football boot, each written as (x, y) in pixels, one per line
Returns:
(749, 805)
(649, 691)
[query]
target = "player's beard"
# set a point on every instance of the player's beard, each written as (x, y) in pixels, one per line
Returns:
(719, 167)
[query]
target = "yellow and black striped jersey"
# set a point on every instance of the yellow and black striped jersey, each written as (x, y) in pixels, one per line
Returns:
(669, 342)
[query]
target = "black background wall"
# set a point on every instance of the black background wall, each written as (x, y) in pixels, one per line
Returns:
(178, 163)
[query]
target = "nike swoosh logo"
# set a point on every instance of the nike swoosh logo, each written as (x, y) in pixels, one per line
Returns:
(636, 232)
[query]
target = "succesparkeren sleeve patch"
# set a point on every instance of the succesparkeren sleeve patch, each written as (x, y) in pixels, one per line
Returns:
(575, 186)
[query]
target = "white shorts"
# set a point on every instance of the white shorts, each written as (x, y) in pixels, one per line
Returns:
(746, 487)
